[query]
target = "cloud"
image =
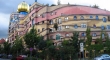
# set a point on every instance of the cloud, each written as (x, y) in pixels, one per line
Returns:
(4, 22)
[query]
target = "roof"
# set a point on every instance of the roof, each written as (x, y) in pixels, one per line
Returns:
(85, 10)
(2, 41)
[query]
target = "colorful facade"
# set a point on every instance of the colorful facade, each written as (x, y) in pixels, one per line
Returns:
(69, 18)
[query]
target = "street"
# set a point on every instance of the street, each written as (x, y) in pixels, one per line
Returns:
(4, 59)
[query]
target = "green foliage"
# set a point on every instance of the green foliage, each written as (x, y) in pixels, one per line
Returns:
(6, 47)
(74, 41)
(17, 46)
(65, 43)
(56, 26)
(32, 58)
(88, 41)
(31, 38)
(53, 5)
(42, 45)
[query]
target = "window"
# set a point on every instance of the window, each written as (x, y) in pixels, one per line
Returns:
(109, 35)
(97, 18)
(58, 37)
(38, 30)
(103, 35)
(102, 27)
(104, 19)
(94, 26)
(51, 13)
(94, 34)
(33, 22)
(91, 16)
(51, 29)
(42, 22)
(108, 27)
(75, 17)
(83, 34)
(43, 15)
(59, 21)
(67, 26)
(51, 21)
(75, 26)
(42, 29)
(83, 25)
(67, 35)
(59, 28)
(82, 18)
(51, 37)
(30, 25)
(66, 18)
(33, 15)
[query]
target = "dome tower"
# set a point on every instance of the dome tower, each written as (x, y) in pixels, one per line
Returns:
(23, 8)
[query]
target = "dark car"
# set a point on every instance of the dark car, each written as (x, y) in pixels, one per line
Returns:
(1, 55)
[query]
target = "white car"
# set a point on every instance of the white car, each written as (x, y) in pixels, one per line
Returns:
(103, 57)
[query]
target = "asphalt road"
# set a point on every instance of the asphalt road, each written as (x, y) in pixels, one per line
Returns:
(4, 59)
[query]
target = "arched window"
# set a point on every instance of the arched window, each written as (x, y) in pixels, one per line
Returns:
(75, 26)
(97, 18)
(59, 21)
(66, 18)
(58, 37)
(91, 16)
(108, 27)
(82, 18)
(75, 17)
(104, 19)
(94, 26)
(94, 34)
(83, 34)
(102, 27)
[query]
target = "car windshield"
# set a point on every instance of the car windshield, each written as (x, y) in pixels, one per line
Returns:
(104, 55)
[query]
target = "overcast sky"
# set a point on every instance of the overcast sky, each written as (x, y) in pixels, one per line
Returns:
(7, 7)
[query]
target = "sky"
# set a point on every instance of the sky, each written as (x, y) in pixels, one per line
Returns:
(7, 7)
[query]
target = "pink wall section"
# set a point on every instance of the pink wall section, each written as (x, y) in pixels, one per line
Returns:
(73, 10)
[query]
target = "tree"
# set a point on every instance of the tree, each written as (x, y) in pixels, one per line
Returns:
(74, 43)
(53, 5)
(88, 41)
(107, 44)
(6, 47)
(31, 38)
(56, 26)
(95, 6)
(17, 46)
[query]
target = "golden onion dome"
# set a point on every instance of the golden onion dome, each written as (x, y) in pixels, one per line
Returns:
(23, 7)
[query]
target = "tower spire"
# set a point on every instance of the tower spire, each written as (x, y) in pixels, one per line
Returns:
(58, 2)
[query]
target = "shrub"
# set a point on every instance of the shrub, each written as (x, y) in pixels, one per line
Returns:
(32, 58)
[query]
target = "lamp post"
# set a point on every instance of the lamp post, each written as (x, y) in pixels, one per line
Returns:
(31, 49)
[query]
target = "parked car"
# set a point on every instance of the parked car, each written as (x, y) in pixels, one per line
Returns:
(103, 57)
(21, 57)
(1, 55)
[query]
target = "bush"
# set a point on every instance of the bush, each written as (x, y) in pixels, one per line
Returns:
(32, 58)
(13, 58)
